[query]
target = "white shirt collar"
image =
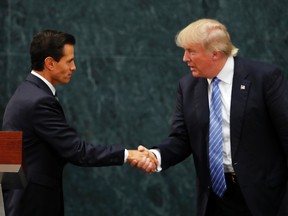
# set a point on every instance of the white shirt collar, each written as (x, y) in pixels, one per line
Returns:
(226, 74)
(51, 87)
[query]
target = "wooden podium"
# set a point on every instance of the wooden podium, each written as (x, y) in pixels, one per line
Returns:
(11, 170)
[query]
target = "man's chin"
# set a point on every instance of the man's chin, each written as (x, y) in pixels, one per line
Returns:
(195, 74)
(66, 82)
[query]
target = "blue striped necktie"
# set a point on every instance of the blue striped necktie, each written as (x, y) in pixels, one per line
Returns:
(216, 141)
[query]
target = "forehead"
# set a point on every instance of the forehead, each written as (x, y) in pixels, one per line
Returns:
(194, 46)
(68, 50)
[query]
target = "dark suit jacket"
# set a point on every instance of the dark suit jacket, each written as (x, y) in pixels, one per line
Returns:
(259, 134)
(48, 144)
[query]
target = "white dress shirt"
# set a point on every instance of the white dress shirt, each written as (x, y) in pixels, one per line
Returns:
(225, 86)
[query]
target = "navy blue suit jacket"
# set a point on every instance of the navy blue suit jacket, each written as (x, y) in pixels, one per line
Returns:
(259, 134)
(48, 144)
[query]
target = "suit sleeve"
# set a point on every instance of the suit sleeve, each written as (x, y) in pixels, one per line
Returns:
(176, 147)
(50, 125)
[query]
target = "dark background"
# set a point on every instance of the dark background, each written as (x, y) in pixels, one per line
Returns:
(125, 85)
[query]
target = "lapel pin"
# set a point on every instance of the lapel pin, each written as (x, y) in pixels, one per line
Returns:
(242, 87)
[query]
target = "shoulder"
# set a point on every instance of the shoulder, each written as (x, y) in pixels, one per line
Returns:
(255, 66)
(260, 73)
(188, 81)
(29, 96)
(32, 91)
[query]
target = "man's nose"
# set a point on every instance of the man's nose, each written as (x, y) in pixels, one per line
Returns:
(185, 57)
(73, 68)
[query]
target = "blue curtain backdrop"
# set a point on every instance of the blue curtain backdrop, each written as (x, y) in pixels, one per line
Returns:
(125, 85)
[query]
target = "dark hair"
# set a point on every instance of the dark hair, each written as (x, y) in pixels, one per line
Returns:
(48, 43)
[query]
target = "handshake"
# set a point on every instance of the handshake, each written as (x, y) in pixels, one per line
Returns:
(143, 159)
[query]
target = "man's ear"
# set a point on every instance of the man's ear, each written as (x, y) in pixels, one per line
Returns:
(216, 55)
(49, 63)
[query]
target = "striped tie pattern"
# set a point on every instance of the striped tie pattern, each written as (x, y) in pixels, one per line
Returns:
(216, 142)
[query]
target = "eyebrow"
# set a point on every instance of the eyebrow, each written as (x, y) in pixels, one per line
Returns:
(191, 50)
(71, 59)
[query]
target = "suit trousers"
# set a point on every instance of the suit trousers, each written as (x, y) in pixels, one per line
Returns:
(231, 204)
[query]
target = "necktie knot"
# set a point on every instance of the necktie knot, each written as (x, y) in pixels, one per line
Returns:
(215, 81)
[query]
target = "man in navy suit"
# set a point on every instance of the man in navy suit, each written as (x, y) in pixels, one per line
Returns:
(48, 141)
(253, 125)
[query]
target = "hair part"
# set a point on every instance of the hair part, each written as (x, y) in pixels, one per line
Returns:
(48, 43)
(211, 34)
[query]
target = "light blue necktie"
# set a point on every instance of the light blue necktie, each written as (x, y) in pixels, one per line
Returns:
(216, 141)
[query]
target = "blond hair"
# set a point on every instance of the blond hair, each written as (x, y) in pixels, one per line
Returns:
(212, 34)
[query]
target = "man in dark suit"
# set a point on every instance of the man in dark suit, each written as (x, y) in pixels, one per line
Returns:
(239, 145)
(48, 141)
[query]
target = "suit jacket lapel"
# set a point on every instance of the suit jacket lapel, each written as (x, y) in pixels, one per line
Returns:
(201, 93)
(240, 91)
(202, 110)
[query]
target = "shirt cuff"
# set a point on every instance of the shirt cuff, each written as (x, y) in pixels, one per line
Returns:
(156, 152)
(125, 155)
